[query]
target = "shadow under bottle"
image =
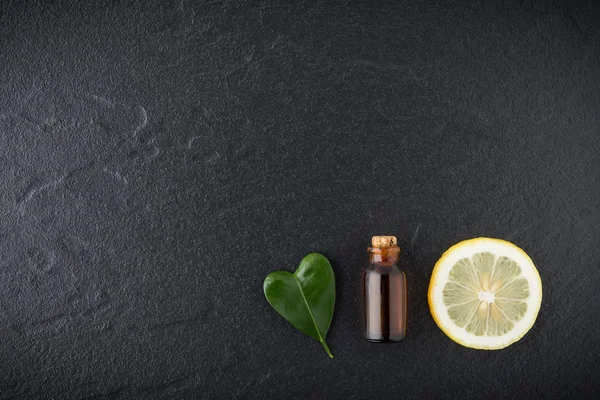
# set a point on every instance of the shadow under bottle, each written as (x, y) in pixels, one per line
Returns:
(384, 293)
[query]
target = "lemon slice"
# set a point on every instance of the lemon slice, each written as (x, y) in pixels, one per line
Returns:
(485, 293)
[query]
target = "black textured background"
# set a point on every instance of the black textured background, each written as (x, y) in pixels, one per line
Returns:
(158, 159)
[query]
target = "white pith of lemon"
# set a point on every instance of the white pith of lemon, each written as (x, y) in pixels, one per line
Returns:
(485, 293)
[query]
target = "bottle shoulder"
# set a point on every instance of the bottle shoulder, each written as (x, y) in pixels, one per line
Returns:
(378, 268)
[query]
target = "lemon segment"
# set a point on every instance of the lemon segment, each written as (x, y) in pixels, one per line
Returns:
(485, 293)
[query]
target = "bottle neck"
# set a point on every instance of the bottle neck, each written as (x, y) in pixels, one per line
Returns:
(386, 256)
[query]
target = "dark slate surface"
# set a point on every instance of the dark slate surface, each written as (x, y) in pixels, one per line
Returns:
(158, 159)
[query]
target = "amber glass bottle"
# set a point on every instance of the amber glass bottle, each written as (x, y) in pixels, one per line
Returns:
(384, 292)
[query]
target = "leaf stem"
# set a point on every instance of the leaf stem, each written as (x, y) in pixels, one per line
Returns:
(326, 349)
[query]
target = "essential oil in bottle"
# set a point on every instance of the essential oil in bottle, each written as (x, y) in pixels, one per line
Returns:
(384, 292)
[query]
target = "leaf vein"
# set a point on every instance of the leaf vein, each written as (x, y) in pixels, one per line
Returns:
(312, 317)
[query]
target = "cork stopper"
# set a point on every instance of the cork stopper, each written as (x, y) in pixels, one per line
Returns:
(384, 241)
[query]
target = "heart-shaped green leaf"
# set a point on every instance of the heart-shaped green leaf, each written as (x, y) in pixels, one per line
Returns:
(305, 298)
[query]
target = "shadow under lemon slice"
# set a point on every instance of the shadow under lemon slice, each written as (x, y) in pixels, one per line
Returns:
(485, 293)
